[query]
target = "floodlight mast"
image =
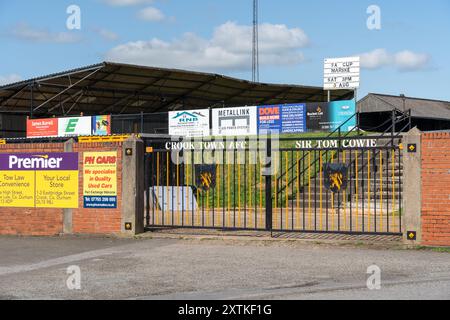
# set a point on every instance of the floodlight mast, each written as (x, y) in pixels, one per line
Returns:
(255, 48)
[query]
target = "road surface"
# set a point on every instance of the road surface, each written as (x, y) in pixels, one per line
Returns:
(36, 268)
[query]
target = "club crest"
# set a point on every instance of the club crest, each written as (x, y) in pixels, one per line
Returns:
(205, 177)
(335, 176)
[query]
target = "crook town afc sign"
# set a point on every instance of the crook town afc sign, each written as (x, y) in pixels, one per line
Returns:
(335, 177)
(205, 177)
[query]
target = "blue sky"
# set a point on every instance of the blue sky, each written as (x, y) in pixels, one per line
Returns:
(410, 54)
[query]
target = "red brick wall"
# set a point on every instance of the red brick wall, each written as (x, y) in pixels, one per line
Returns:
(436, 189)
(47, 222)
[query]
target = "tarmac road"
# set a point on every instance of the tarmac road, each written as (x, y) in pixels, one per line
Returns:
(36, 268)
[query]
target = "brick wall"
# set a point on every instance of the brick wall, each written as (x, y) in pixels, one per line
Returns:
(47, 222)
(436, 189)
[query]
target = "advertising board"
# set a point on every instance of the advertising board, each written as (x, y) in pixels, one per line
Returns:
(189, 123)
(44, 180)
(234, 121)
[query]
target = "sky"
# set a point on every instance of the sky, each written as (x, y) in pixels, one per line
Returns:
(408, 53)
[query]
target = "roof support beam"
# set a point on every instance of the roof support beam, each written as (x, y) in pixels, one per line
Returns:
(136, 93)
(187, 93)
(266, 100)
(66, 100)
(115, 104)
(13, 95)
(249, 88)
(68, 88)
(74, 104)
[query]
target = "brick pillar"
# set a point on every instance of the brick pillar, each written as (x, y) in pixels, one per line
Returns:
(68, 213)
(133, 186)
(412, 183)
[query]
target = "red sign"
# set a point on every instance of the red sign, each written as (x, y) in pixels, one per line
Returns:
(42, 128)
(269, 113)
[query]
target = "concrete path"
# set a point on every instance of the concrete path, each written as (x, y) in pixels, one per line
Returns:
(201, 268)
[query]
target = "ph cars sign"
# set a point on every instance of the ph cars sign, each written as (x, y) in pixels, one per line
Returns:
(39, 180)
(189, 123)
(100, 180)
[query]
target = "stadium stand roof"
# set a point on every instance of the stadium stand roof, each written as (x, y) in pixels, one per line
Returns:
(117, 88)
(420, 108)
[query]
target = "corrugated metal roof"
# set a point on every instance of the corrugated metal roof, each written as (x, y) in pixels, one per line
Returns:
(123, 88)
(420, 108)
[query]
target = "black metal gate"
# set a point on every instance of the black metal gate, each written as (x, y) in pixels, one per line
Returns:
(334, 184)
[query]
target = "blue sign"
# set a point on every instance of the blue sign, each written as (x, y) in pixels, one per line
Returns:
(293, 118)
(290, 118)
(103, 202)
(340, 112)
(327, 117)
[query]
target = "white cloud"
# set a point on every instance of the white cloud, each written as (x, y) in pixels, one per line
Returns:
(25, 32)
(408, 60)
(151, 14)
(403, 60)
(107, 34)
(11, 78)
(375, 59)
(124, 3)
(228, 49)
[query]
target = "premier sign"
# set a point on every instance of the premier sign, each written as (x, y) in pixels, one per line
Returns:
(48, 161)
(43, 162)
(342, 73)
(48, 180)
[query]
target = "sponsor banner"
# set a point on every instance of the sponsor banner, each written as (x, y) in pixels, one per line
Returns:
(38, 128)
(234, 121)
(282, 118)
(317, 116)
(269, 118)
(329, 116)
(101, 125)
(39, 161)
(100, 180)
(189, 123)
(45, 180)
(77, 126)
(341, 111)
(69, 127)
